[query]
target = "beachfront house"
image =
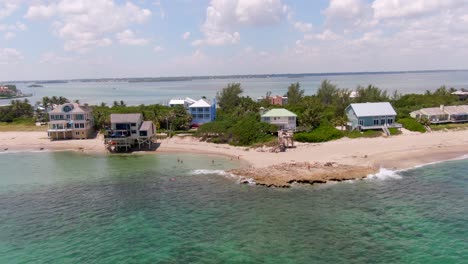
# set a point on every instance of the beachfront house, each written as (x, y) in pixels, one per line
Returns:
(70, 121)
(129, 130)
(185, 102)
(202, 111)
(442, 114)
(281, 117)
(365, 116)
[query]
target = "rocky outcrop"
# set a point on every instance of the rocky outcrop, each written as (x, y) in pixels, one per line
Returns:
(285, 174)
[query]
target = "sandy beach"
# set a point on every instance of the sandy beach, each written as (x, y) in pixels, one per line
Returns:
(364, 154)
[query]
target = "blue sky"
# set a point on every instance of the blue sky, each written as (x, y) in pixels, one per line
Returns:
(44, 39)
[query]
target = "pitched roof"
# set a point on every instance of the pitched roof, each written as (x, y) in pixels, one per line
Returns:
(200, 103)
(180, 101)
(146, 126)
(125, 118)
(76, 108)
(279, 112)
(373, 109)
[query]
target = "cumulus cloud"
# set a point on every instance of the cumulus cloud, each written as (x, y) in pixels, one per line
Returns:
(158, 49)
(9, 35)
(7, 8)
(403, 8)
(86, 24)
(224, 17)
(127, 37)
(10, 56)
(303, 27)
(186, 35)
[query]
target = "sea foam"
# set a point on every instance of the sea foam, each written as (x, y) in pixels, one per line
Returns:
(384, 174)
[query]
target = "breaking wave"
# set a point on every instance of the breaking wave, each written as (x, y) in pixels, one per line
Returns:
(384, 174)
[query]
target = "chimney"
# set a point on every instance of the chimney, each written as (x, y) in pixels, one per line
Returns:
(442, 107)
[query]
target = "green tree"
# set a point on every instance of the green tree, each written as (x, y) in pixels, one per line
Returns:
(229, 97)
(327, 92)
(294, 94)
(371, 94)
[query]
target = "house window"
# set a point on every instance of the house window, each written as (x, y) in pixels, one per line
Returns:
(134, 131)
(200, 116)
(376, 122)
(266, 119)
(291, 118)
(82, 125)
(77, 125)
(77, 133)
(133, 124)
(143, 133)
(390, 121)
(361, 122)
(200, 110)
(79, 117)
(207, 116)
(207, 109)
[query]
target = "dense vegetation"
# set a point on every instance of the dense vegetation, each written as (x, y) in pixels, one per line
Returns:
(238, 118)
(18, 111)
(169, 118)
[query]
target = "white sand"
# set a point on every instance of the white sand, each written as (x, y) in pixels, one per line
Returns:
(402, 151)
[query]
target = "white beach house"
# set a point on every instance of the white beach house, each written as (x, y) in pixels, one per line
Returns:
(281, 117)
(443, 114)
(70, 121)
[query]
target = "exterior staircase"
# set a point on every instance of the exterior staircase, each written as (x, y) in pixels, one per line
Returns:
(386, 131)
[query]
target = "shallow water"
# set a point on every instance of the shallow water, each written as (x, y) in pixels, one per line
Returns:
(72, 208)
(162, 92)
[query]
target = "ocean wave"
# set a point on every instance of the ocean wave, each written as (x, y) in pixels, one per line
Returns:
(463, 157)
(384, 174)
(206, 171)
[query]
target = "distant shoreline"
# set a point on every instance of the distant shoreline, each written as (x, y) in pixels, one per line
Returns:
(236, 76)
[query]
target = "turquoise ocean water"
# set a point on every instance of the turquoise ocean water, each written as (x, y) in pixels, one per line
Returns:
(162, 92)
(75, 208)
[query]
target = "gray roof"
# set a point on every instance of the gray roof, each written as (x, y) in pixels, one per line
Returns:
(373, 109)
(146, 126)
(76, 108)
(125, 118)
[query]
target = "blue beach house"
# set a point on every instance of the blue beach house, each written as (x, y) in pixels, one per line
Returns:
(202, 112)
(366, 116)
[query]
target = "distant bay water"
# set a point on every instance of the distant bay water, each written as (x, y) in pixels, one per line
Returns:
(135, 93)
(74, 208)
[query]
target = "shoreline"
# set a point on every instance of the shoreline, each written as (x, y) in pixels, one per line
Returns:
(362, 157)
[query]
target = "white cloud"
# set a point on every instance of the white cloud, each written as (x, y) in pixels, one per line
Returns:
(10, 56)
(9, 35)
(404, 8)
(224, 17)
(7, 8)
(127, 37)
(86, 24)
(325, 35)
(158, 49)
(186, 35)
(303, 27)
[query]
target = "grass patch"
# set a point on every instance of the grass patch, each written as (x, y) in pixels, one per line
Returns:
(394, 131)
(6, 127)
(363, 134)
(449, 127)
(412, 125)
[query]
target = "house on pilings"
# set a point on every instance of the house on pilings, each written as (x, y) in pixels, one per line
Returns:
(129, 131)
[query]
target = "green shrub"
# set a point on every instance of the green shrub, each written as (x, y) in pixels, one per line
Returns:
(364, 134)
(412, 125)
(321, 134)
(394, 131)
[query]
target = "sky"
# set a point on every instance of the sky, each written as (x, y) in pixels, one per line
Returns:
(65, 39)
